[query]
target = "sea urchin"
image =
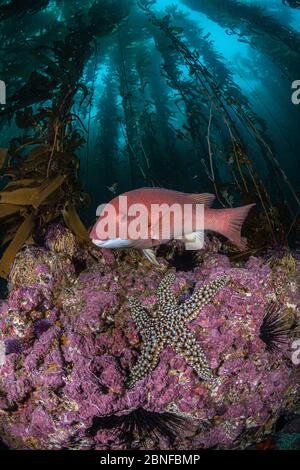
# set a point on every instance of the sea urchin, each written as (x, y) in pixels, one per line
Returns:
(139, 424)
(274, 329)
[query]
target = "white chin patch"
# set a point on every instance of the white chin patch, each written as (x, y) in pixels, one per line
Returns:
(115, 243)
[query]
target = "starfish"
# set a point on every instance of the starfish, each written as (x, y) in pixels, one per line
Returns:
(167, 327)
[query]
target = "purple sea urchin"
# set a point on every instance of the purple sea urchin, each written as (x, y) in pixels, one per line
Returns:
(140, 424)
(275, 328)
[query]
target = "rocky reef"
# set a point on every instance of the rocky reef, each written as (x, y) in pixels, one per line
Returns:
(69, 342)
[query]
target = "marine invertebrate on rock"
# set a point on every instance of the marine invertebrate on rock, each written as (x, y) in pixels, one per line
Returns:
(61, 240)
(64, 377)
(140, 424)
(177, 257)
(168, 327)
(36, 265)
(275, 328)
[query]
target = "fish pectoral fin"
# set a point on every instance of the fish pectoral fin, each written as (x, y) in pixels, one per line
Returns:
(140, 244)
(150, 255)
(194, 241)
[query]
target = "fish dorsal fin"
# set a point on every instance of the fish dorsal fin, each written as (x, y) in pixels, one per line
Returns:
(205, 198)
(201, 198)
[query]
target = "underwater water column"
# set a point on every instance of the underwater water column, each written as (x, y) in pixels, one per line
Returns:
(259, 29)
(109, 346)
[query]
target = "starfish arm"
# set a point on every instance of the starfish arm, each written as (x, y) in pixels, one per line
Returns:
(147, 361)
(191, 308)
(139, 314)
(185, 344)
(165, 296)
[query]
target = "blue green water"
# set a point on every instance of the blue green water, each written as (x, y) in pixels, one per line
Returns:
(139, 110)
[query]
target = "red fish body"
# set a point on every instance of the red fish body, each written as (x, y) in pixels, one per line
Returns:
(227, 222)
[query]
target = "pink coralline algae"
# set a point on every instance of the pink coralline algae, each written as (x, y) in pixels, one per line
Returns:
(69, 343)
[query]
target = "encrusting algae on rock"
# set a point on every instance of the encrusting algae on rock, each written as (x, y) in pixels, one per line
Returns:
(71, 346)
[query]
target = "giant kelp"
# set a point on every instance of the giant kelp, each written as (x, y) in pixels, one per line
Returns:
(253, 25)
(18, 8)
(292, 3)
(137, 102)
(105, 169)
(42, 164)
(229, 113)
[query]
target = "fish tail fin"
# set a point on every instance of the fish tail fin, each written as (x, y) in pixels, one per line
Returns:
(232, 222)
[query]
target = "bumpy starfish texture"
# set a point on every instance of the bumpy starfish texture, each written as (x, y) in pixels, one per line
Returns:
(167, 327)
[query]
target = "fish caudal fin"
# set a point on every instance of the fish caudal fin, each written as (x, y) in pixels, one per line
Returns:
(231, 222)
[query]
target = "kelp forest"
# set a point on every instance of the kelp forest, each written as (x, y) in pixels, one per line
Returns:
(105, 96)
(179, 333)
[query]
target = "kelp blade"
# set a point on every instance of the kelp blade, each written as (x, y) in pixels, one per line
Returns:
(3, 155)
(6, 210)
(23, 233)
(75, 224)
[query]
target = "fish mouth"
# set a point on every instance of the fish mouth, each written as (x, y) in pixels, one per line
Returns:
(113, 243)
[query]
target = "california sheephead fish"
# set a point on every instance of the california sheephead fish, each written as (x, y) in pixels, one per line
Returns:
(227, 222)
